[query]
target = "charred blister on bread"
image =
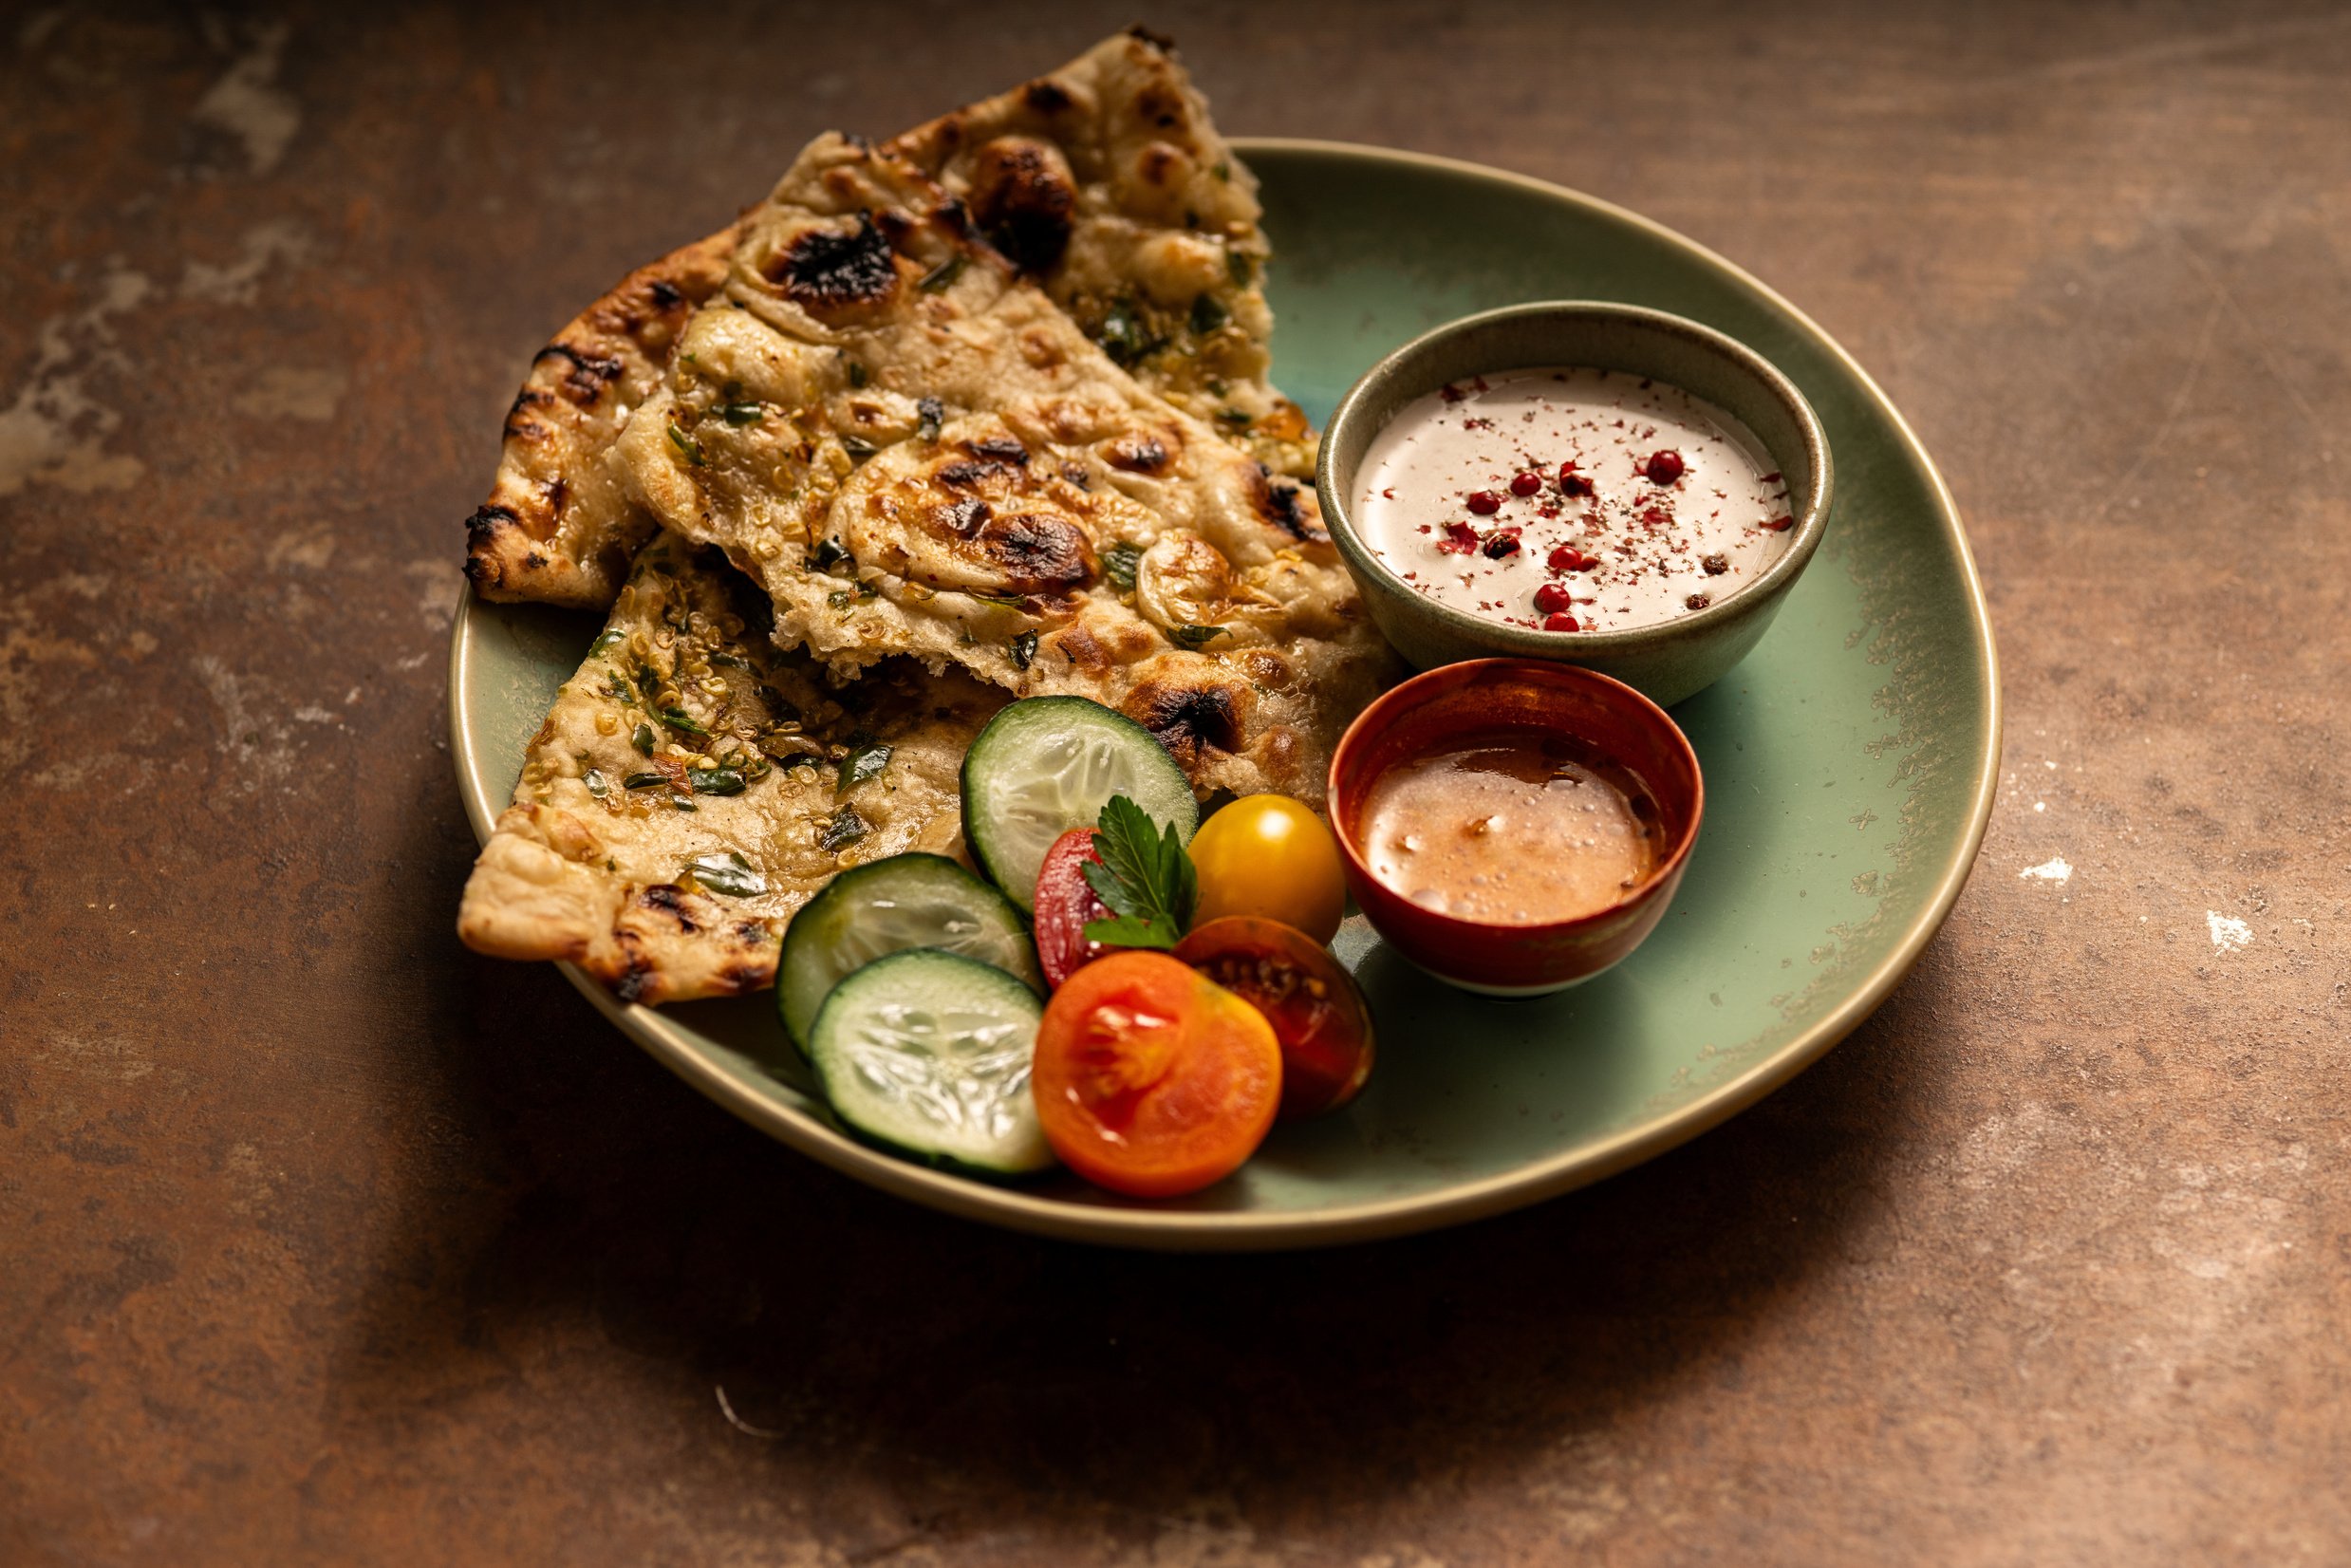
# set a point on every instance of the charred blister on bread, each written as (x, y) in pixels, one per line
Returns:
(1025, 200)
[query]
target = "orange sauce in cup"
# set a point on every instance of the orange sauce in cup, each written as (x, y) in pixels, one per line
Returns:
(1514, 828)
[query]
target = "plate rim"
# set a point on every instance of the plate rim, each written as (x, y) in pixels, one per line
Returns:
(1193, 1230)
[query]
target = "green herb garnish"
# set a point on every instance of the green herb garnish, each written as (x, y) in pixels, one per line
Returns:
(618, 686)
(841, 829)
(728, 873)
(866, 760)
(858, 447)
(1237, 267)
(938, 278)
(1024, 650)
(715, 780)
(597, 784)
(932, 414)
(1207, 315)
(686, 443)
(644, 739)
(644, 781)
(1123, 335)
(752, 413)
(856, 374)
(1194, 637)
(1119, 563)
(685, 723)
(1145, 875)
(604, 640)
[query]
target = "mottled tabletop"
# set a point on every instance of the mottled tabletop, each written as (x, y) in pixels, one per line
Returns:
(323, 1239)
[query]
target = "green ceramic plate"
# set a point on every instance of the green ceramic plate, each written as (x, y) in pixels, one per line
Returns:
(1848, 764)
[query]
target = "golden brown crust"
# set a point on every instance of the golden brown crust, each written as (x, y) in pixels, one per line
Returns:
(557, 527)
(1107, 184)
(1106, 180)
(686, 793)
(916, 453)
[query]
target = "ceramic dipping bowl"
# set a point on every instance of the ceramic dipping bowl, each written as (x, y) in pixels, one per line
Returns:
(1668, 660)
(1455, 704)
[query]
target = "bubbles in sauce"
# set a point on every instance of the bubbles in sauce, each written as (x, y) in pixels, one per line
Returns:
(1629, 501)
(1515, 828)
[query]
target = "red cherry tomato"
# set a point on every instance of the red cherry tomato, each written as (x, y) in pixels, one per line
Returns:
(1151, 1080)
(1317, 1014)
(1064, 905)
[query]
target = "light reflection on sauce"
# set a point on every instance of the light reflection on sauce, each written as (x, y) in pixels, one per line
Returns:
(1516, 827)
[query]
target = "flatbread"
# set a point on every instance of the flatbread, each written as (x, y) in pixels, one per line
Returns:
(559, 526)
(692, 786)
(1106, 181)
(914, 451)
(1108, 184)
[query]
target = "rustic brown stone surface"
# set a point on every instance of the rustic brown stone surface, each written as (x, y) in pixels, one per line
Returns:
(323, 1239)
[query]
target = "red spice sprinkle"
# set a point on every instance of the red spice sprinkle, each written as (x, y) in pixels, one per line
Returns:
(1525, 483)
(1484, 502)
(1716, 564)
(1551, 598)
(1501, 542)
(1699, 601)
(1772, 477)
(1572, 483)
(1459, 539)
(1561, 621)
(1779, 525)
(1663, 467)
(1451, 393)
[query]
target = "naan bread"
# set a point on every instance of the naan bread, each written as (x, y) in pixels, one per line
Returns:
(914, 451)
(559, 526)
(1107, 185)
(693, 787)
(1106, 181)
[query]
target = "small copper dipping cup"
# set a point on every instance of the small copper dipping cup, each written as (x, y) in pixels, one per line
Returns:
(1454, 704)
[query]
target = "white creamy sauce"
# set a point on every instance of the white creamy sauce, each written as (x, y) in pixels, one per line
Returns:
(1659, 544)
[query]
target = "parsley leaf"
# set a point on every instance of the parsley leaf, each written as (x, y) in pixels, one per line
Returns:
(1146, 877)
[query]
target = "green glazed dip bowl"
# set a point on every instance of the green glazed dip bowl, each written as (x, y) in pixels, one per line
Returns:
(1670, 660)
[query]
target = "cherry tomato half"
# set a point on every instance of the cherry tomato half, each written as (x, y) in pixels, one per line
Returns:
(1317, 1014)
(1150, 1080)
(1269, 856)
(1064, 904)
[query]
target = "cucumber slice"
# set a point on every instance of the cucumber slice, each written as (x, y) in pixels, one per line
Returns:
(878, 908)
(928, 1054)
(1045, 765)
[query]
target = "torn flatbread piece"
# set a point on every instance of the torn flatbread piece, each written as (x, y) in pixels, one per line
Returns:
(1108, 184)
(560, 527)
(1106, 181)
(692, 786)
(914, 451)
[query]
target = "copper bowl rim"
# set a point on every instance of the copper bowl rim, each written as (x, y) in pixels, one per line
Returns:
(1403, 696)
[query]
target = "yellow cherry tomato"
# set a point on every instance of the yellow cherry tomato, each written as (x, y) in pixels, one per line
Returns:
(1268, 856)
